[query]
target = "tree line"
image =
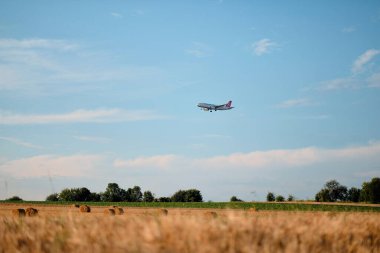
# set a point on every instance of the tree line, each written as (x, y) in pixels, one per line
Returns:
(114, 193)
(334, 191)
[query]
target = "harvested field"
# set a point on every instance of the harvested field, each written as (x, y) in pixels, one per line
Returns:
(189, 230)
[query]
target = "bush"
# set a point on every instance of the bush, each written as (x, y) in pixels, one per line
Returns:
(14, 198)
(52, 197)
(280, 198)
(290, 198)
(163, 199)
(235, 199)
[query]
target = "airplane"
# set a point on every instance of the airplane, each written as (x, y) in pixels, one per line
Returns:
(210, 107)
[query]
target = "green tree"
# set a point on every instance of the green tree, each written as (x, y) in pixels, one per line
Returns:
(148, 196)
(280, 198)
(134, 194)
(179, 196)
(191, 195)
(114, 193)
(353, 194)
(332, 191)
(52, 197)
(336, 190)
(323, 196)
(371, 191)
(75, 194)
(96, 197)
(270, 197)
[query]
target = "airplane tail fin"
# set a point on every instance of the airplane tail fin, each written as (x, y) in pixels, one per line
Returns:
(229, 103)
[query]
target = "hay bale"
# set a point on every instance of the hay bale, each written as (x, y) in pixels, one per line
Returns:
(109, 211)
(84, 209)
(18, 212)
(30, 211)
(118, 210)
(112, 207)
(211, 214)
(164, 211)
(75, 206)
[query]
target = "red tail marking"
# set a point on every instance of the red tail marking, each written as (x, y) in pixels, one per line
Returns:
(229, 104)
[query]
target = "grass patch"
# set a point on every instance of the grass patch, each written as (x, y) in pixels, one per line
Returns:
(263, 206)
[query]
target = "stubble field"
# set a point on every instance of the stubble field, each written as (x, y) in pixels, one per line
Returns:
(62, 228)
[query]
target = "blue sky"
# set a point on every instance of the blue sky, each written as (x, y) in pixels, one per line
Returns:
(93, 92)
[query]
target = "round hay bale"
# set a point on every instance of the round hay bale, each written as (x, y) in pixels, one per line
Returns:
(112, 206)
(118, 210)
(84, 209)
(164, 212)
(75, 206)
(211, 214)
(109, 211)
(18, 212)
(30, 211)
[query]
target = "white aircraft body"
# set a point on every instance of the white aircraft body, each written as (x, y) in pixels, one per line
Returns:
(211, 107)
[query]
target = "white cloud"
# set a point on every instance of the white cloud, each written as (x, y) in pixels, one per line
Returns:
(300, 171)
(363, 59)
(20, 142)
(263, 46)
(271, 159)
(57, 166)
(295, 103)
(78, 116)
(158, 161)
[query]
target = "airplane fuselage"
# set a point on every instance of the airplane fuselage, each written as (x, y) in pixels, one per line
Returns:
(212, 107)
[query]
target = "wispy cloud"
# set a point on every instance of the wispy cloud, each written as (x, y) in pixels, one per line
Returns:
(364, 59)
(263, 46)
(116, 15)
(58, 166)
(355, 81)
(349, 29)
(295, 103)
(79, 116)
(340, 83)
(138, 12)
(39, 65)
(37, 43)
(374, 80)
(92, 138)
(20, 142)
(199, 50)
